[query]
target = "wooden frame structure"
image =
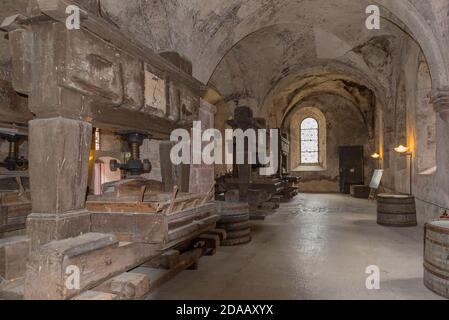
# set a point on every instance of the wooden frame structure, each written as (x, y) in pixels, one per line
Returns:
(65, 83)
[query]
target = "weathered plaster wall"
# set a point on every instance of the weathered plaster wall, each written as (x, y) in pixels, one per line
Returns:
(412, 121)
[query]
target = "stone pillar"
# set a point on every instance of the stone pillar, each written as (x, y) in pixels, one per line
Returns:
(440, 101)
(59, 157)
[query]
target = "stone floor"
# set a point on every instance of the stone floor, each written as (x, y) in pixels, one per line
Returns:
(317, 246)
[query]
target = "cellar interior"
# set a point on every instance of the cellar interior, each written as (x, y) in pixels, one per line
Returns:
(117, 180)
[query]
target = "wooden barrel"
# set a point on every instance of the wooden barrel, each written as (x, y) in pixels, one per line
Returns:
(436, 257)
(360, 191)
(235, 220)
(396, 210)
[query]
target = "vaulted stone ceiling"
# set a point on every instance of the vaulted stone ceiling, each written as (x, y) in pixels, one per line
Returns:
(205, 31)
(260, 51)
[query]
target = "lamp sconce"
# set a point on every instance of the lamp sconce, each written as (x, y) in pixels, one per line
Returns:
(375, 156)
(403, 150)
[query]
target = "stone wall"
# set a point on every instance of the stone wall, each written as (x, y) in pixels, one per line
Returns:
(410, 119)
(344, 127)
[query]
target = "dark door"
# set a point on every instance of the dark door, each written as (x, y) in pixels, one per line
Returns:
(351, 167)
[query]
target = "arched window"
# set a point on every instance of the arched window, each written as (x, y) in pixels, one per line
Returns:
(309, 133)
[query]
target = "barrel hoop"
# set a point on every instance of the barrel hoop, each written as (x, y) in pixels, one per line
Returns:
(236, 242)
(430, 268)
(437, 229)
(397, 213)
(444, 245)
(234, 219)
(402, 225)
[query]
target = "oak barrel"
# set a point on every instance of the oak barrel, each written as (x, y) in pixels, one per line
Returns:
(235, 219)
(396, 210)
(360, 191)
(436, 257)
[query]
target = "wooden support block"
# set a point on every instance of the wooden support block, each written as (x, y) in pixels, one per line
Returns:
(98, 257)
(220, 232)
(211, 243)
(271, 205)
(167, 260)
(194, 266)
(95, 295)
(160, 276)
(12, 290)
(13, 255)
(128, 285)
(59, 159)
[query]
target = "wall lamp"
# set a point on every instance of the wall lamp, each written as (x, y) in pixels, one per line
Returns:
(405, 151)
(376, 157)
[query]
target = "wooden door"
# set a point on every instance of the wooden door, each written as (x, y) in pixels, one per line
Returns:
(351, 167)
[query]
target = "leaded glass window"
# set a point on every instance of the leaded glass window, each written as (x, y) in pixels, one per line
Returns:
(309, 141)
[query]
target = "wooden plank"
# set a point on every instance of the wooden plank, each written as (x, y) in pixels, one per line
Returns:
(160, 276)
(12, 290)
(191, 228)
(209, 207)
(95, 296)
(121, 207)
(189, 237)
(167, 260)
(128, 285)
(132, 227)
(120, 119)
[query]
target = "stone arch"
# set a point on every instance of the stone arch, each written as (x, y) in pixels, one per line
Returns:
(402, 11)
(332, 71)
(425, 121)
(422, 33)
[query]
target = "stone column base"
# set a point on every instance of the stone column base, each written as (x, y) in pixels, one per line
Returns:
(43, 228)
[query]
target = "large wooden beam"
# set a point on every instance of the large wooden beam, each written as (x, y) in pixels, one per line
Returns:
(97, 74)
(98, 257)
(118, 119)
(59, 154)
(103, 28)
